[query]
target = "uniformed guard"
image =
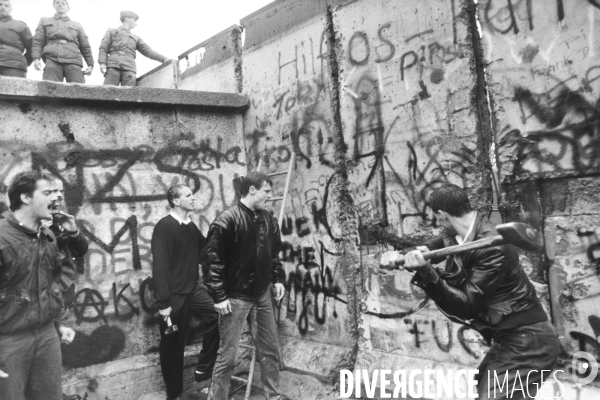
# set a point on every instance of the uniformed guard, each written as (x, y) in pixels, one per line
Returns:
(61, 42)
(15, 38)
(118, 51)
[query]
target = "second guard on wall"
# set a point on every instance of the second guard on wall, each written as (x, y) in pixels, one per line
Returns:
(61, 42)
(118, 51)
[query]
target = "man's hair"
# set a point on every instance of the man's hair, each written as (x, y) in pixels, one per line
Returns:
(174, 192)
(256, 179)
(451, 199)
(124, 17)
(24, 183)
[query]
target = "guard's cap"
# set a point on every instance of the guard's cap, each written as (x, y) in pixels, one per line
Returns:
(128, 14)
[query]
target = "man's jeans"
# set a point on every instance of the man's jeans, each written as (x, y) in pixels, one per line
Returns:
(33, 362)
(265, 340)
(523, 351)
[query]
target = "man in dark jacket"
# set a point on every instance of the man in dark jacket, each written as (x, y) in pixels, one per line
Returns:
(240, 261)
(15, 38)
(61, 42)
(487, 290)
(70, 241)
(176, 246)
(30, 296)
(118, 50)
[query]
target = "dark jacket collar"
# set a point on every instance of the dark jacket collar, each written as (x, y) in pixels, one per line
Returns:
(247, 210)
(44, 231)
(64, 18)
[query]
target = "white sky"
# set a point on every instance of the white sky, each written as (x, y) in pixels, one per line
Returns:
(170, 27)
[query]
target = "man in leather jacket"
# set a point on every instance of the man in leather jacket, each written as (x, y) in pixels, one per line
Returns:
(240, 261)
(487, 290)
(30, 295)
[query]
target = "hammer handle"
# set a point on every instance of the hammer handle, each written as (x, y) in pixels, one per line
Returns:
(461, 248)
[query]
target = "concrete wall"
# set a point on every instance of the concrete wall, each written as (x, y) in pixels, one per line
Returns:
(165, 76)
(117, 150)
(218, 58)
(381, 100)
(543, 74)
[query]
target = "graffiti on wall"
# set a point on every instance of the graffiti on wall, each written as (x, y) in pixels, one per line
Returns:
(117, 195)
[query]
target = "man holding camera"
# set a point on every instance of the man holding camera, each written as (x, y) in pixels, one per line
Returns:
(176, 246)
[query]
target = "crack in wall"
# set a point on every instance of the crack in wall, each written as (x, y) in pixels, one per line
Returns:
(349, 262)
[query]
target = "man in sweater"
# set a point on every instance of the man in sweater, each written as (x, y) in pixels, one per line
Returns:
(240, 262)
(176, 246)
(15, 39)
(30, 296)
(118, 50)
(487, 290)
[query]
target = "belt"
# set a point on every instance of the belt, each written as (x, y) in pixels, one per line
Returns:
(58, 41)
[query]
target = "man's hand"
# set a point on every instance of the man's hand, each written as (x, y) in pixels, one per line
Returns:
(279, 291)
(66, 334)
(88, 70)
(223, 308)
(414, 260)
(37, 64)
(388, 260)
(165, 313)
(103, 68)
(68, 222)
(3, 374)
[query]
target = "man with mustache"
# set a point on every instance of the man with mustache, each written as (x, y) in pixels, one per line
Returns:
(30, 295)
(176, 246)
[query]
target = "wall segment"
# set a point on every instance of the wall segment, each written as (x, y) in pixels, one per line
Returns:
(117, 156)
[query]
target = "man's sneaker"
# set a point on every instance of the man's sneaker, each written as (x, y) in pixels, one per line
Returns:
(200, 375)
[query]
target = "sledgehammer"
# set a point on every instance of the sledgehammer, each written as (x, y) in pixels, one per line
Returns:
(516, 233)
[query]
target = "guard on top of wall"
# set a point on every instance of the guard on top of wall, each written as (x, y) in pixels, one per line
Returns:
(15, 38)
(61, 42)
(118, 51)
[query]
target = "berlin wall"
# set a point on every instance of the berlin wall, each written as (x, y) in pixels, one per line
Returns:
(117, 152)
(381, 100)
(373, 102)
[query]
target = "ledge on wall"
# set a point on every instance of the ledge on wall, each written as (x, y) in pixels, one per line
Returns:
(25, 89)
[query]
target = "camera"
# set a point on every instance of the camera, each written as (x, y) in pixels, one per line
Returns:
(170, 327)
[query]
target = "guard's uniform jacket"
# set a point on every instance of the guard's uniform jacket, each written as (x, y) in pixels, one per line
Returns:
(118, 50)
(15, 38)
(61, 40)
(486, 289)
(240, 259)
(30, 295)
